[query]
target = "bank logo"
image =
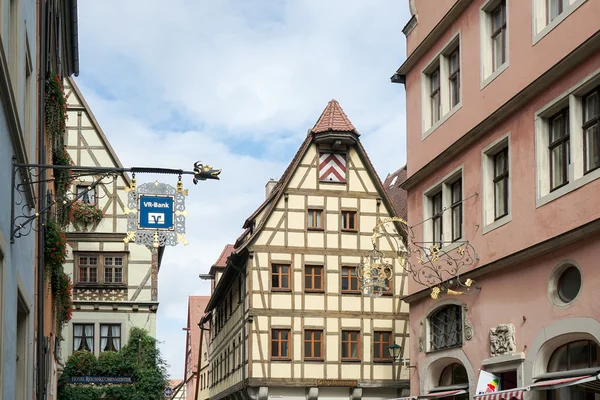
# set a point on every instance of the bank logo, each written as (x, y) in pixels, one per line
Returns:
(156, 218)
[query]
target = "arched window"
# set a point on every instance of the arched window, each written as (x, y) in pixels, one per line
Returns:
(574, 355)
(454, 374)
(445, 328)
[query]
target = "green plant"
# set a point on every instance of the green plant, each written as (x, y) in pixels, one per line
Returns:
(63, 301)
(140, 358)
(86, 213)
(55, 252)
(63, 178)
(55, 105)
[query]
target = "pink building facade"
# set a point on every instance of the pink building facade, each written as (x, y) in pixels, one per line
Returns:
(503, 143)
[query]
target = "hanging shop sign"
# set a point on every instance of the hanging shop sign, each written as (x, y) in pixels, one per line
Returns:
(156, 214)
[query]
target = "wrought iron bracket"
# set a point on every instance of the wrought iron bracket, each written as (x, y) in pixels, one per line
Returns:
(25, 204)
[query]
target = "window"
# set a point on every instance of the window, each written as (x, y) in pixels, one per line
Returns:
(280, 277)
(350, 346)
(567, 140)
(113, 269)
(456, 188)
(559, 149)
(454, 375)
(569, 284)
(313, 344)
(441, 86)
(315, 220)
(591, 130)
(498, 36)
(436, 212)
(280, 344)
(445, 328)
(83, 337)
(313, 278)
(436, 104)
(89, 196)
(501, 184)
(443, 212)
(110, 337)
(88, 269)
(381, 342)
(454, 78)
(508, 380)
(580, 354)
(553, 9)
(105, 269)
(349, 280)
(349, 220)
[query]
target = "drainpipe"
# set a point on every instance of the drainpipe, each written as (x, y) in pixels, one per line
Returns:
(41, 195)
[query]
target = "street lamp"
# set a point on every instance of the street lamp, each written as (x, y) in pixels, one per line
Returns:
(395, 352)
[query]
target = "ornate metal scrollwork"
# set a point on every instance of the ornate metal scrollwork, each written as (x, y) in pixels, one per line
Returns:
(436, 268)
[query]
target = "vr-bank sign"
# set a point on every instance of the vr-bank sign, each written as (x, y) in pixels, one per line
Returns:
(156, 212)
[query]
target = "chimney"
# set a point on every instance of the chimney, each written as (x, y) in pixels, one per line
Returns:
(269, 187)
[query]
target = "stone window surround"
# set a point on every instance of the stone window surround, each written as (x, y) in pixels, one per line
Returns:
(436, 362)
(441, 59)
(553, 281)
(507, 363)
(539, 26)
(426, 328)
(551, 337)
(444, 185)
(120, 319)
(485, 41)
(487, 184)
(572, 98)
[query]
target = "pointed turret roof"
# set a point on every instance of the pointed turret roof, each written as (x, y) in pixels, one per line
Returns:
(333, 119)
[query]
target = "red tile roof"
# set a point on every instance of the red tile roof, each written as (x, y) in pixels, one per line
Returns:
(222, 260)
(196, 306)
(334, 119)
(396, 194)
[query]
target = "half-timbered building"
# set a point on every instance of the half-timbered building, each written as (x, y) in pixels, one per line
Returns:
(115, 283)
(287, 315)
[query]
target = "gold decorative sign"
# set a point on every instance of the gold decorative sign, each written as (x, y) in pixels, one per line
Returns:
(337, 383)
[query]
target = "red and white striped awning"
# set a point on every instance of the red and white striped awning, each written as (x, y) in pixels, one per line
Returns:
(439, 395)
(564, 382)
(503, 395)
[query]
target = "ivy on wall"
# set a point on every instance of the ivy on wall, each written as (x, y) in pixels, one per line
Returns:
(140, 358)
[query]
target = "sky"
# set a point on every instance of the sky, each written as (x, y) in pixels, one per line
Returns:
(235, 84)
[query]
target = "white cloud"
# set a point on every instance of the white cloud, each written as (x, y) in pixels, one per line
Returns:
(235, 84)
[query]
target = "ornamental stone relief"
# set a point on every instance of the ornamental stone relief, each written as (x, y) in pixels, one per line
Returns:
(99, 294)
(502, 340)
(467, 325)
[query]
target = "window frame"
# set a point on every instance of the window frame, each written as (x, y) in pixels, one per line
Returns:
(383, 346)
(346, 217)
(83, 325)
(350, 278)
(456, 204)
(348, 344)
(89, 189)
(459, 328)
(589, 124)
(280, 341)
(314, 212)
(500, 31)
(561, 9)
(109, 337)
(567, 346)
(289, 275)
(564, 142)
(437, 214)
(502, 177)
(313, 343)
(313, 278)
(100, 268)
(435, 95)
(454, 78)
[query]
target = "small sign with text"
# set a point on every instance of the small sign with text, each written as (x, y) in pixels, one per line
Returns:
(156, 212)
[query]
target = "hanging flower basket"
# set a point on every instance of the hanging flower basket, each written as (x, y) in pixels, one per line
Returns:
(63, 178)
(55, 106)
(63, 300)
(55, 252)
(85, 213)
